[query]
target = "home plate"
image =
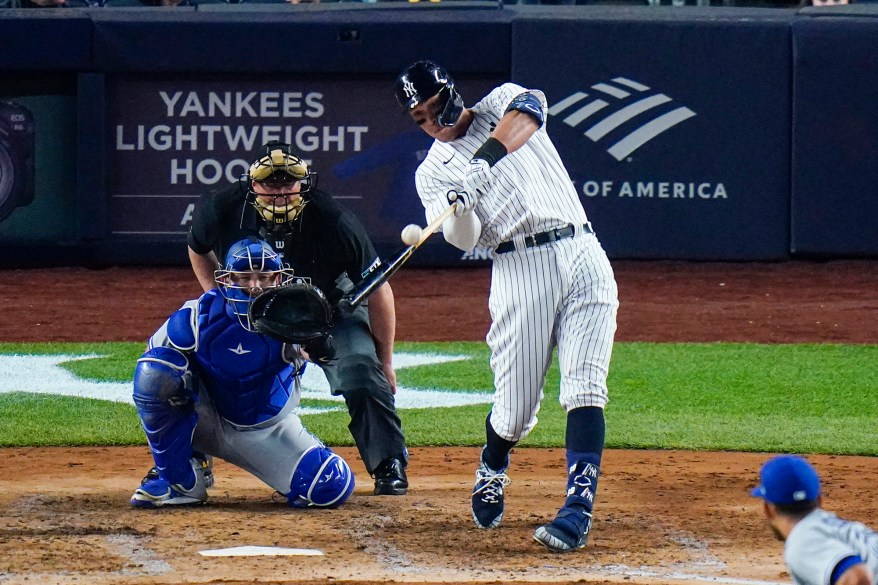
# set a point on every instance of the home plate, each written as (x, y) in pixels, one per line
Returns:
(255, 551)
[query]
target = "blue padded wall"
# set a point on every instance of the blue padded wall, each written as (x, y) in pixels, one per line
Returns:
(835, 136)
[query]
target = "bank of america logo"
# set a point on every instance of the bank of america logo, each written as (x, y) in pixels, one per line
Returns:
(620, 104)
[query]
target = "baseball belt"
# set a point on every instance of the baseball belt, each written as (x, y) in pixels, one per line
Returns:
(543, 238)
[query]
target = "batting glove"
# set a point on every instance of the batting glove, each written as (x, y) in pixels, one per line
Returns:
(465, 201)
(478, 177)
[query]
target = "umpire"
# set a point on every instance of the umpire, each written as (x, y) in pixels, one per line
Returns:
(323, 242)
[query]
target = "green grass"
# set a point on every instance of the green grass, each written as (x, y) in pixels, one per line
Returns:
(811, 398)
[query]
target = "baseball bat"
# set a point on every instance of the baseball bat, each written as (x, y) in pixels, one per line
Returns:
(380, 274)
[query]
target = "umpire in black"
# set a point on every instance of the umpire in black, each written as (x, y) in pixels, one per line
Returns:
(321, 241)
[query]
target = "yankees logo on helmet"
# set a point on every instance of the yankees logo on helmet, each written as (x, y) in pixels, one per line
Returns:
(421, 81)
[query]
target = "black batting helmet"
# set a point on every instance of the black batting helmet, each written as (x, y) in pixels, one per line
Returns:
(422, 80)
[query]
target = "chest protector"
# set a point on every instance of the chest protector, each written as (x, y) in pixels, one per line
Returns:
(244, 373)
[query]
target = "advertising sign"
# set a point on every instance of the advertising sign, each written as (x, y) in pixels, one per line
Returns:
(675, 135)
(173, 140)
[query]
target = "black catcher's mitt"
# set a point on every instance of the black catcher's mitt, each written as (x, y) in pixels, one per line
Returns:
(295, 313)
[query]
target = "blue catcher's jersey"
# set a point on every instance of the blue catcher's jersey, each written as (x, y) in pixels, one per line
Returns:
(246, 374)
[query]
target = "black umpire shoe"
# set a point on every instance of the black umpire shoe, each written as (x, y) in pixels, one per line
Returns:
(390, 479)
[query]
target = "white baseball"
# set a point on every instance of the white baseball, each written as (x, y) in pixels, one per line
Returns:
(411, 234)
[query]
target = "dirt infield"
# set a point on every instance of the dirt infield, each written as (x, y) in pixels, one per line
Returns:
(662, 517)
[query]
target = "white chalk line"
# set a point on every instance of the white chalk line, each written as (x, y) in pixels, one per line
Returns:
(44, 374)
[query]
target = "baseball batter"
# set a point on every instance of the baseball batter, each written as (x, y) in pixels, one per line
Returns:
(209, 385)
(821, 548)
(552, 284)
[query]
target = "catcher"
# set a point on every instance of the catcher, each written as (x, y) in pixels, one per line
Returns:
(210, 385)
(326, 244)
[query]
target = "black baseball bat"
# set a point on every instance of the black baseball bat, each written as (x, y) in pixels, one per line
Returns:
(382, 272)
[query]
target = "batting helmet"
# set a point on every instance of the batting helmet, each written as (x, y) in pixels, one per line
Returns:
(276, 167)
(422, 80)
(251, 268)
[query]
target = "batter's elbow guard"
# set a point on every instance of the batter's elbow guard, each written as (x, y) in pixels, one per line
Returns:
(321, 479)
(530, 104)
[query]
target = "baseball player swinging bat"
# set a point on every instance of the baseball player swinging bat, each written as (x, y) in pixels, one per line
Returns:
(382, 272)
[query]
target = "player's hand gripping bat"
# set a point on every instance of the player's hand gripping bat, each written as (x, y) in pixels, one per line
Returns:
(383, 271)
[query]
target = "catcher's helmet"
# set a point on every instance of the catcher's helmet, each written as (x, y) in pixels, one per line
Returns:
(276, 167)
(251, 268)
(422, 80)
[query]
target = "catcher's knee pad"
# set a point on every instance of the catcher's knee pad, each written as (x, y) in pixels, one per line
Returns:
(321, 479)
(162, 375)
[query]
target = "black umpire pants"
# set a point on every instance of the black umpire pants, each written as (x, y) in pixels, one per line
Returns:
(356, 374)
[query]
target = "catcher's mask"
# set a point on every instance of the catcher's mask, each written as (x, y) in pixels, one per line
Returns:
(251, 268)
(422, 80)
(279, 175)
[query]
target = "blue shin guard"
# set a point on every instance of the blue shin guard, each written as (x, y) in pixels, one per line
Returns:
(164, 399)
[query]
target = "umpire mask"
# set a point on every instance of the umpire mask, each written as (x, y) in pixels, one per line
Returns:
(279, 186)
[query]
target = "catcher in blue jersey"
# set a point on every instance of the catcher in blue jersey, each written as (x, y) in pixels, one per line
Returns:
(211, 385)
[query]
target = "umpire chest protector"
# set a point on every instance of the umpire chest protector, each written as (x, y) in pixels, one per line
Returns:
(244, 373)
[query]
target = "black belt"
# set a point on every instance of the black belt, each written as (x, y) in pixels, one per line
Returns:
(543, 238)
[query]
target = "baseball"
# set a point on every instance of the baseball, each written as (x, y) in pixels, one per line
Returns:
(411, 234)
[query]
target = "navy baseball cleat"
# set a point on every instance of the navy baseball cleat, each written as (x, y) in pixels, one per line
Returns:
(488, 496)
(567, 532)
(390, 479)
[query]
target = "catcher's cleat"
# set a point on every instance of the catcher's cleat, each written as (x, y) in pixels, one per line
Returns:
(567, 532)
(205, 461)
(390, 478)
(487, 497)
(206, 464)
(152, 474)
(156, 493)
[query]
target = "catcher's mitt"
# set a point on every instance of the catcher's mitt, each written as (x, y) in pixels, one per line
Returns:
(295, 313)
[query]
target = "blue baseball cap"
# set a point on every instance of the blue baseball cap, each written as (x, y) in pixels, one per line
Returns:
(787, 479)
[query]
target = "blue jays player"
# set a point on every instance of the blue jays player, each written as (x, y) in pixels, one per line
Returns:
(821, 548)
(209, 385)
(551, 285)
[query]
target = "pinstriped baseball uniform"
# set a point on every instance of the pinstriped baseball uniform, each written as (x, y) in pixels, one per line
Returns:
(561, 293)
(818, 542)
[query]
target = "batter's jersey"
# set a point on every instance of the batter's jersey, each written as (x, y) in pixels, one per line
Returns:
(531, 192)
(326, 241)
(821, 540)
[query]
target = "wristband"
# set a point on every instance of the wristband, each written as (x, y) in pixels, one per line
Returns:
(491, 151)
